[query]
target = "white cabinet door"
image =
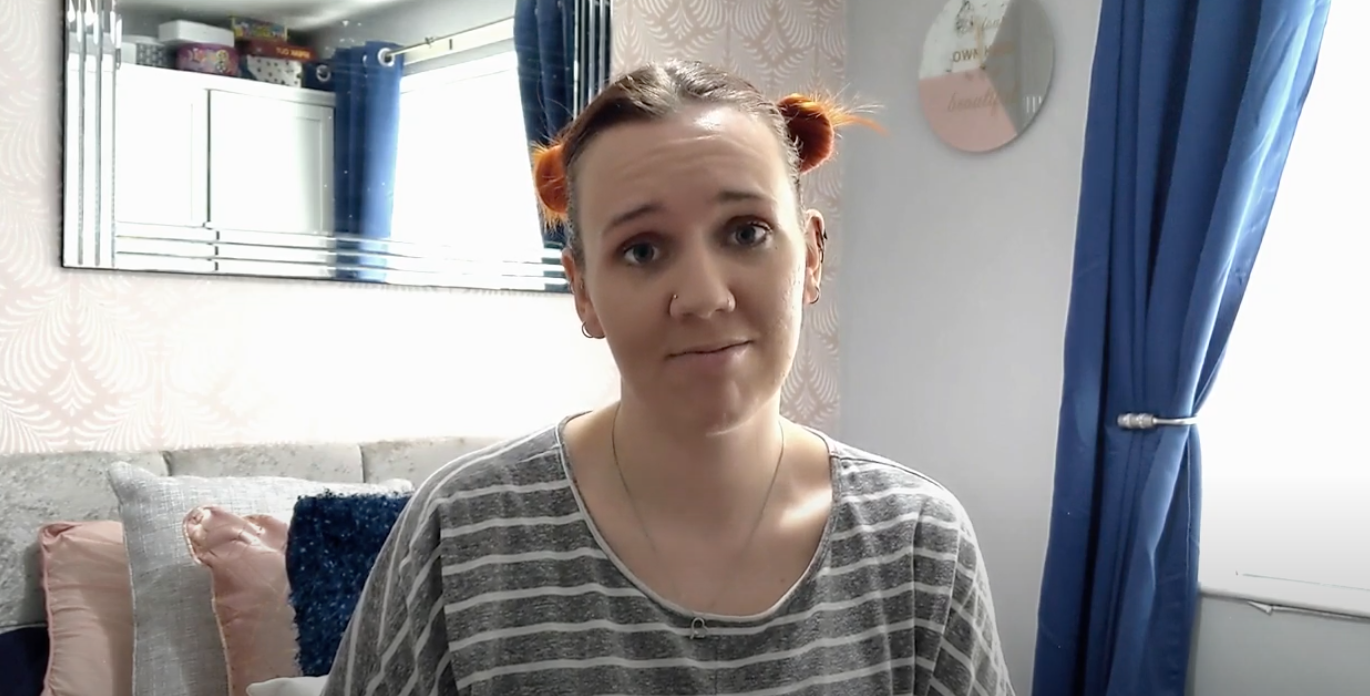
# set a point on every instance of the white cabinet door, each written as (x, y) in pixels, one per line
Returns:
(161, 149)
(270, 165)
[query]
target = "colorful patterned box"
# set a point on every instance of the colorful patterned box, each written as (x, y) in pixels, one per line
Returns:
(274, 49)
(208, 58)
(252, 30)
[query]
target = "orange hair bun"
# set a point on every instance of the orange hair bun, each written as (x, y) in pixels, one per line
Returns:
(813, 125)
(549, 179)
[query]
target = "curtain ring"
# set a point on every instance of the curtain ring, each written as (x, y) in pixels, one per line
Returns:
(585, 331)
(323, 72)
(385, 56)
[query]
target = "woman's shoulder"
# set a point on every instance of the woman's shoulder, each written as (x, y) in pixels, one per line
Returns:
(498, 481)
(532, 460)
(887, 487)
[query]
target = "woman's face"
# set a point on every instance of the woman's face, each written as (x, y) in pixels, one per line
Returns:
(697, 262)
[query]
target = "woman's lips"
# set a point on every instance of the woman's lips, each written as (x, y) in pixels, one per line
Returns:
(714, 359)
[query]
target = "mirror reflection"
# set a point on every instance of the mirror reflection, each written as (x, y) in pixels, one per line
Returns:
(374, 140)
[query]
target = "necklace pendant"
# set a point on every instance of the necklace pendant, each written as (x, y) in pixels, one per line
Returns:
(699, 628)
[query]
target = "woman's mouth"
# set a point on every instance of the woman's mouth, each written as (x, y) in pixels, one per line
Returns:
(712, 357)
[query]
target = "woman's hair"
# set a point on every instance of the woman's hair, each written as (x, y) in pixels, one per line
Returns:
(805, 125)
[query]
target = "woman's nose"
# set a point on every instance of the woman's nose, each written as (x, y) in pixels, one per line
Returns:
(701, 285)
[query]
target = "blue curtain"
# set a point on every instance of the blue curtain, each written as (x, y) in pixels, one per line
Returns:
(1192, 107)
(366, 133)
(563, 49)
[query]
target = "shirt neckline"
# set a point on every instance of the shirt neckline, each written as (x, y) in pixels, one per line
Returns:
(816, 562)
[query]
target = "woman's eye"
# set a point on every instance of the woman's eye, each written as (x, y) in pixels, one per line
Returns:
(751, 234)
(639, 254)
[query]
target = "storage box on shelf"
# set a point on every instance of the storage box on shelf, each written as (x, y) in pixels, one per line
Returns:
(211, 59)
(186, 32)
(245, 29)
(274, 62)
(146, 50)
(251, 49)
(200, 47)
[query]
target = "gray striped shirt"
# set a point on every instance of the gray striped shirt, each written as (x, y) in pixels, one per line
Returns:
(492, 582)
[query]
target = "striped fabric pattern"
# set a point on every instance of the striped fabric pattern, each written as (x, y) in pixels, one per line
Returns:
(494, 582)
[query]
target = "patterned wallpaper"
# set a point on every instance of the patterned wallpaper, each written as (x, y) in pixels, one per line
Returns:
(782, 46)
(121, 361)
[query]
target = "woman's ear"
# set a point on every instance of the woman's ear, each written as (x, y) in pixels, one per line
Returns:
(816, 241)
(575, 277)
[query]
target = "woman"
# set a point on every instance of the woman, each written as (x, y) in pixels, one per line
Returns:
(686, 540)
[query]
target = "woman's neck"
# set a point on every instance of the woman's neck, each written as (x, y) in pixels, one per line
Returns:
(712, 479)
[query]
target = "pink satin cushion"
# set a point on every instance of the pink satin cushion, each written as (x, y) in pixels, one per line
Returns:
(89, 609)
(246, 560)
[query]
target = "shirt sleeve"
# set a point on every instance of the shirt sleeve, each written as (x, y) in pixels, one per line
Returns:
(396, 641)
(969, 659)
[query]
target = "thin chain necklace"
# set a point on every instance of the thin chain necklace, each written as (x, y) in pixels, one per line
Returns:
(699, 627)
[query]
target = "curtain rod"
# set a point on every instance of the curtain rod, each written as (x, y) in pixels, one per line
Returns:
(436, 47)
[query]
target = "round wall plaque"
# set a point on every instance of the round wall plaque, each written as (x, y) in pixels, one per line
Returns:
(985, 72)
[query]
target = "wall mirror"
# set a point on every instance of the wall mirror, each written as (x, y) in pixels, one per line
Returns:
(985, 72)
(382, 141)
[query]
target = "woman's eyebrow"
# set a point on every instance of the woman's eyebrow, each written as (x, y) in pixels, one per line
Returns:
(724, 196)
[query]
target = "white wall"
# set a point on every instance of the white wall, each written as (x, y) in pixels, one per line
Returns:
(954, 295)
(1245, 649)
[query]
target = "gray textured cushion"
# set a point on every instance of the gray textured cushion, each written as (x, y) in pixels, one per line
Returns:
(176, 646)
(325, 462)
(416, 460)
(36, 489)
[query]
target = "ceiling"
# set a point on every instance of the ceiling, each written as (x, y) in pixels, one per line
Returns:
(295, 14)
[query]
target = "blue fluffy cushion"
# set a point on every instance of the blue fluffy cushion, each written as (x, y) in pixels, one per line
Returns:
(23, 661)
(332, 544)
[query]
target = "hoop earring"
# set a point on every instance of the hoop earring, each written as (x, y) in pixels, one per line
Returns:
(817, 293)
(585, 331)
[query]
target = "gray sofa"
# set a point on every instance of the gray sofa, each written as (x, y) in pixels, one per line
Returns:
(36, 489)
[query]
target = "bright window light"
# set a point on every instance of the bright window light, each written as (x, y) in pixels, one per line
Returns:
(463, 176)
(1286, 500)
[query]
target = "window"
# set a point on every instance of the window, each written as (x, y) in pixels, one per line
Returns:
(463, 181)
(1286, 502)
